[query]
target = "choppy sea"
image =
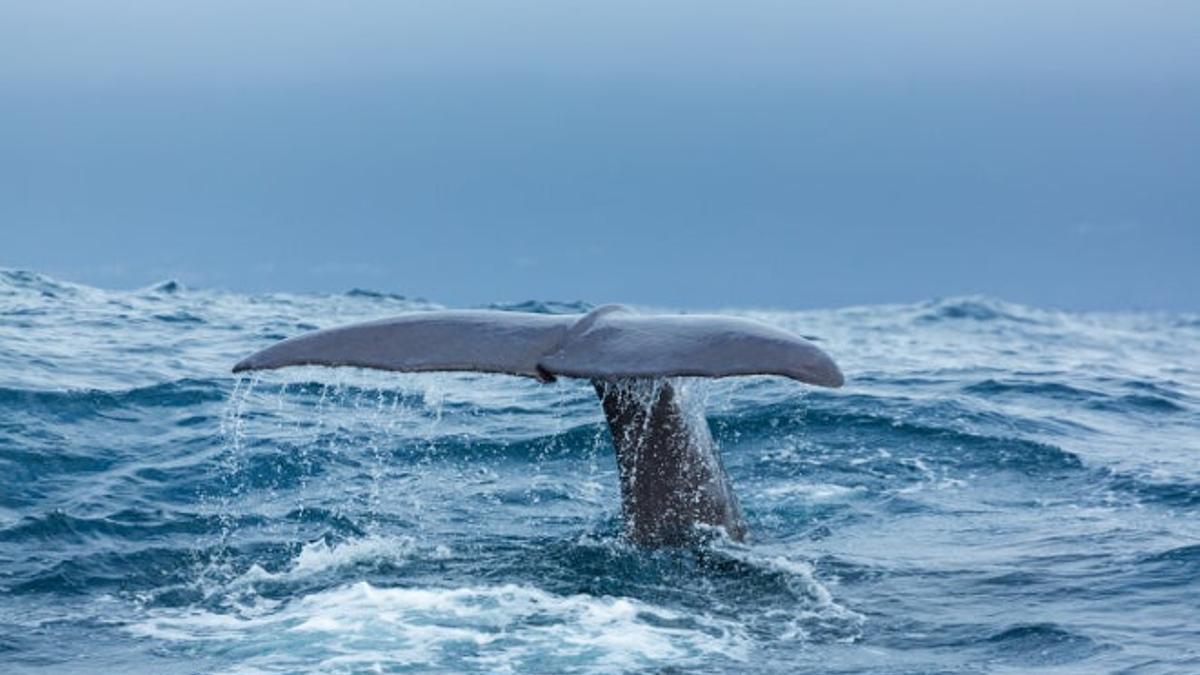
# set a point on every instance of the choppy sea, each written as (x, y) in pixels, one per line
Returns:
(997, 488)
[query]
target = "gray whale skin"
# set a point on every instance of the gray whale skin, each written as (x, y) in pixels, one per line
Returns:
(670, 470)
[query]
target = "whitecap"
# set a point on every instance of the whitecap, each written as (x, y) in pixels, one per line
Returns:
(498, 628)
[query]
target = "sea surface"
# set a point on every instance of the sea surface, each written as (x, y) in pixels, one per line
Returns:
(997, 488)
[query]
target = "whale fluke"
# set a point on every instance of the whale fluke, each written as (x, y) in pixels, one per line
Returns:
(671, 473)
(607, 343)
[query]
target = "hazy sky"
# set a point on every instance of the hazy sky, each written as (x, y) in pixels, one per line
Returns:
(696, 154)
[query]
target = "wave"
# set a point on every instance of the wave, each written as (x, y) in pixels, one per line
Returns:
(654, 609)
(1177, 493)
(1041, 644)
(74, 403)
(374, 295)
(13, 282)
(167, 287)
(460, 628)
(544, 307)
(1031, 388)
(978, 309)
(1152, 398)
(129, 525)
(180, 316)
(942, 433)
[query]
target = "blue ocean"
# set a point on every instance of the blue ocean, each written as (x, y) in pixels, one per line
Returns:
(997, 488)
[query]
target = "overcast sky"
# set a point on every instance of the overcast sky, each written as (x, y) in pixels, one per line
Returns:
(789, 154)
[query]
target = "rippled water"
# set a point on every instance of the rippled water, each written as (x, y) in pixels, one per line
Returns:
(997, 489)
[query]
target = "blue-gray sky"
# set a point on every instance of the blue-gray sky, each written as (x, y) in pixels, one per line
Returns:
(696, 154)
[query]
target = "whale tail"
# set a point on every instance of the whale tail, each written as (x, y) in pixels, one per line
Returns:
(610, 342)
(671, 473)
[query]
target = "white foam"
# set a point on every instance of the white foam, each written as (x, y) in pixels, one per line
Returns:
(500, 628)
(317, 556)
(813, 491)
(823, 612)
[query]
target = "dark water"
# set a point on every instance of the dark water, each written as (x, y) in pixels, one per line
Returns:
(997, 489)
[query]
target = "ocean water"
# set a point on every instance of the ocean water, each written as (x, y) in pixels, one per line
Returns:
(997, 488)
